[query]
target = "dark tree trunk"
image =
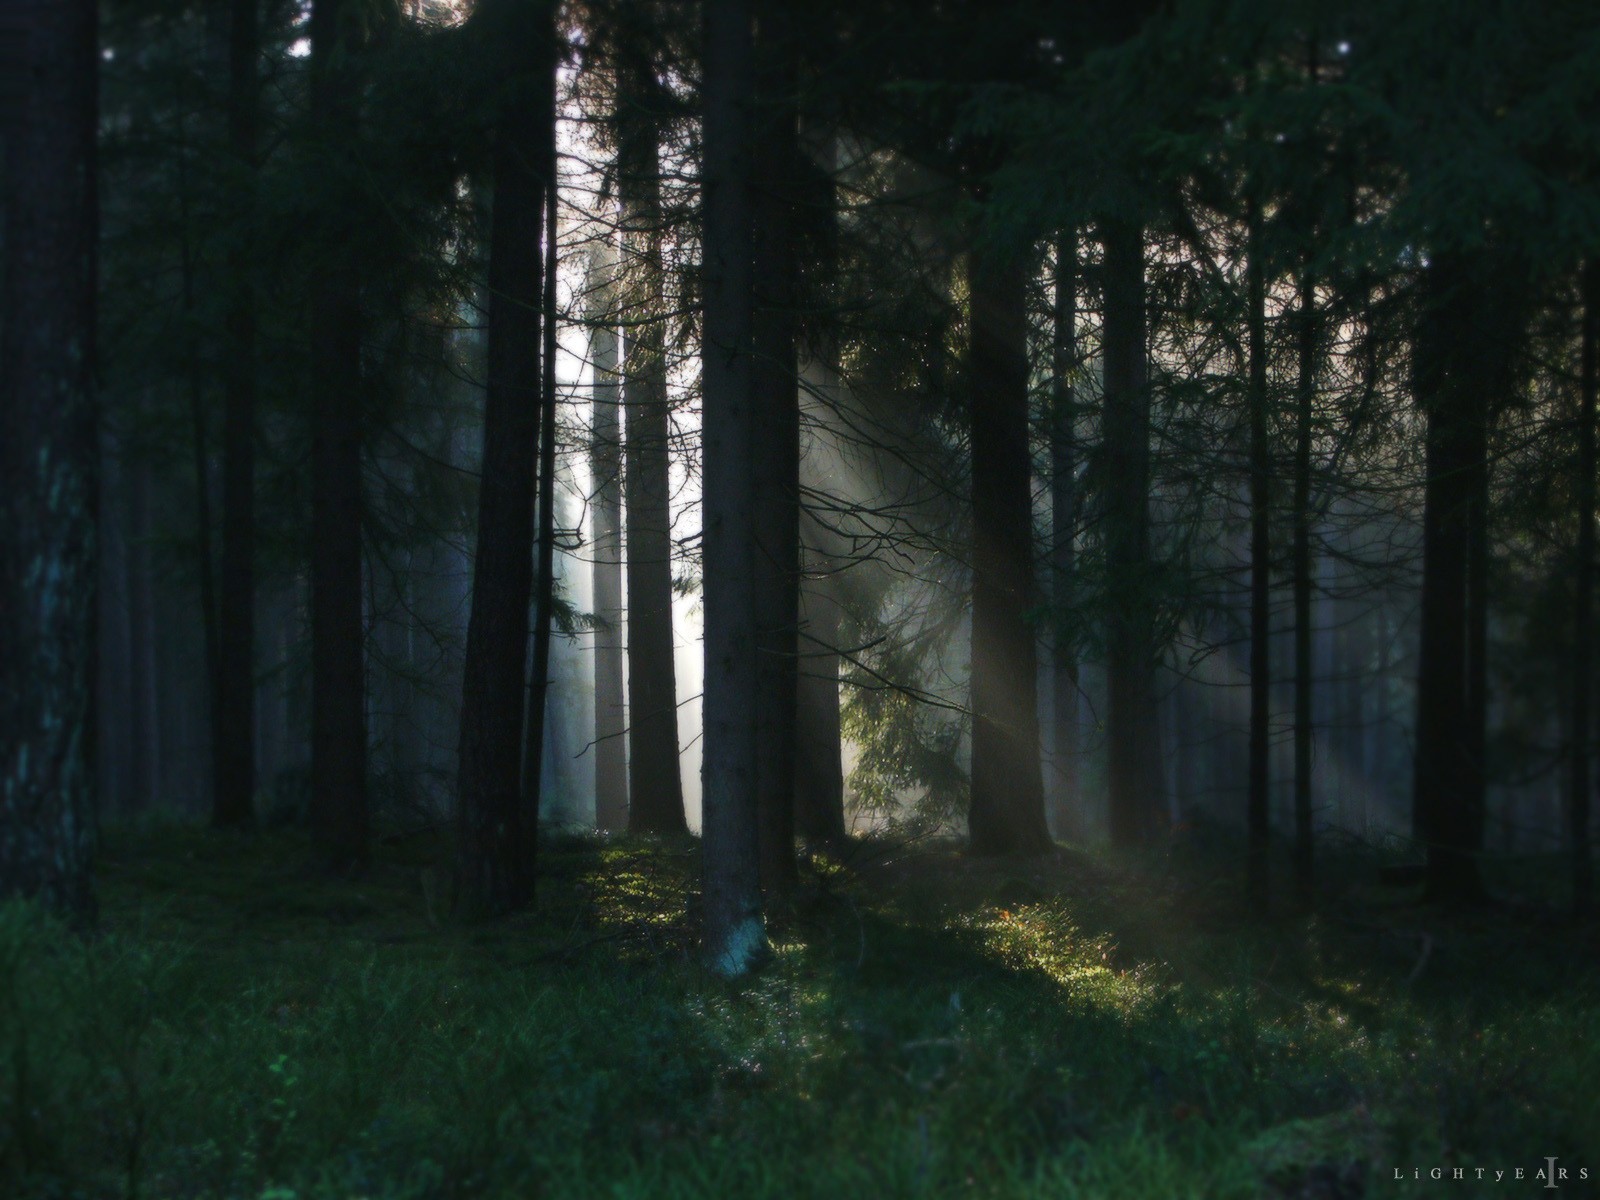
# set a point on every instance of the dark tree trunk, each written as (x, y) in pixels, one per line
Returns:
(496, 832)
(1063, 532)
(144, 690)
(1305, 392)
(605, 464)
(776, 401)
(338, 720)
(1581, 732)
(233, 790)
(1453, 378)
(1135, 792)
(655, 786)
(1260, 801)
(49, 455)
(1007, 810)
(544, 579)
(734, 932)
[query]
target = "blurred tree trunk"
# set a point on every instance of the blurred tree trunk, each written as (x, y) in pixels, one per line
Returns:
(49, 455)
(776, 401)
(1063, 531)
(1007, 808)
(1581, 732)
(144, 690)
(734, 933)
(496, 831)
(338, 719)
(1135, 792)
(605, 464)
(655, 786)
(233, 791)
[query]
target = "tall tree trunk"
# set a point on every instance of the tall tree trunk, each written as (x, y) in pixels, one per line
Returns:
(1305, 392)
(605, 464)
(1260, 800)
(734, 932)
(233, 790)
(776, 400)
(1063, 530)
(338, 717)
(544, 578)
(1452, 393)
(144, 690)
(1581, 733)
(655, 786)
(496, 832)
(1135, 793)
(1007, 810)
(49, 455)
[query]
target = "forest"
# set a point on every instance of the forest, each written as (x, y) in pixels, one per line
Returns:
(776, 598)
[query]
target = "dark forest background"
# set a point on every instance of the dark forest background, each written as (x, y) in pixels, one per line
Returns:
(684, 462)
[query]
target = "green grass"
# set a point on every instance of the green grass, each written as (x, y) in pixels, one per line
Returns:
(929, 1026)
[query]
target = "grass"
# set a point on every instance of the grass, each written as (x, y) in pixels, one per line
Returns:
(929, 1025)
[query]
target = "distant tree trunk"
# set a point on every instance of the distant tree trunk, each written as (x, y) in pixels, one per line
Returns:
(1063, 530)
(496, 832)
(1452, 379)
(655, 785)
(605, 464)
(776, 400)
(1260, 801)
(49, 455)
(338, 718)
(1305, 393)
(1007, 809)
(734, 932)
(1582, 715)
(144, 691)
(544, 578)
(1135, 793)
(233, 791)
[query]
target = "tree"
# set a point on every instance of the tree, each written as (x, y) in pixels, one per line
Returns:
(338, 632)
(1259, 803)
(1125, 490)
(49, 451)
(734, 933)
(233, 796)
(1064, 521)
(605, 465)
(496, 832)
(655, 787)
(1007, 808)
(1581, 719)
(776, 435)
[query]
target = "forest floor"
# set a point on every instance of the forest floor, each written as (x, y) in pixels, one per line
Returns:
(929, 1025)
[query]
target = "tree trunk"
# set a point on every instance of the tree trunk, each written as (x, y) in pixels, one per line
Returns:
(1582, 716)
(1304, 730)
(1451, 382)
(605, 463)
(734, 933)
(776, 400)
(496, 832)
(144, 690)
(655, 786)
(1063, 532)
(1260, 800)
(49, 455)
(233, 790)
(544, 579)
(1007, 809)
(338, 719)
(1302, 571)
(1135, 794)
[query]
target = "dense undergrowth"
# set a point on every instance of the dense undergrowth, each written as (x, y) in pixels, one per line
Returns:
(242, 1026)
